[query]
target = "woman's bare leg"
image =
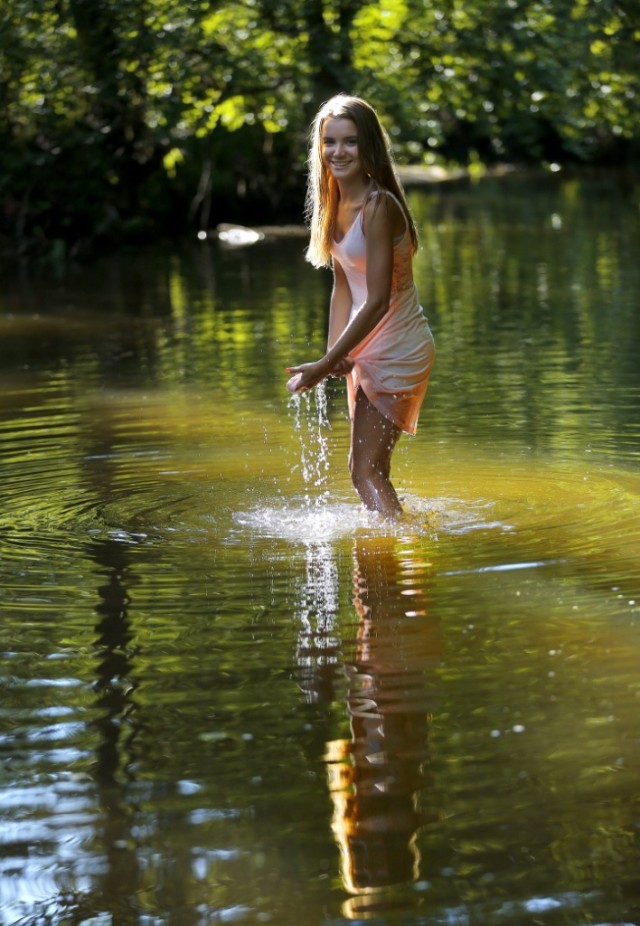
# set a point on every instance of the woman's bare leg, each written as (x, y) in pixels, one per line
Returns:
(373, 438)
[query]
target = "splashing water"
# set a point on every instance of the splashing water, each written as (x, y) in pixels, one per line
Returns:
(323, 517)
(317, 516)
(310, 423)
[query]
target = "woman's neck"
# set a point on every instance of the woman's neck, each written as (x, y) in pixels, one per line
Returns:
(356, 191)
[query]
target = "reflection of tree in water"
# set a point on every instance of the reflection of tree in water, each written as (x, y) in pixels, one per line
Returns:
(377, 777)
(113, 686)
(141, 862)
(114, 753)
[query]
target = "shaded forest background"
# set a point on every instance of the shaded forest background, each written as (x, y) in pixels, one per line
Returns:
(122, 119)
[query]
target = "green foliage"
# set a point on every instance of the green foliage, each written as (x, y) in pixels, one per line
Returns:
(138, 115)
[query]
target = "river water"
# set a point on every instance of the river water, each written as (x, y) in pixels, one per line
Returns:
(228, 694)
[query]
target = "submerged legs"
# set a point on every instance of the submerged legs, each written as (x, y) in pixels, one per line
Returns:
(373, 438)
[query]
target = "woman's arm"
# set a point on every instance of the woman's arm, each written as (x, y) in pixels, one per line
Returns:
(382, 222)
(340, 305)
(379, 229)
(339, 311)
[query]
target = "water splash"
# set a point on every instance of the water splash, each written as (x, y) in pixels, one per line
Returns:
(311, 421)
(296, 521)
(320, 517)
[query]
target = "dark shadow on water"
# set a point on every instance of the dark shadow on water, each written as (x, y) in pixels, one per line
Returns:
(114, 685)
(117, 728)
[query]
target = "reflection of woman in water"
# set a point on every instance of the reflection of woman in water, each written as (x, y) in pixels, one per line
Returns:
(376, 777)
(379, 337)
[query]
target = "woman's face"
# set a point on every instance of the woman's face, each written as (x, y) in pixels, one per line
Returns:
(339, 147)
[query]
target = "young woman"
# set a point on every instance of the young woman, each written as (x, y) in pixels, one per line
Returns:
(379, 337)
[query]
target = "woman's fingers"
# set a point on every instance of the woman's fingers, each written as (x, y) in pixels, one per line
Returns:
(305, 376)
(293, 385)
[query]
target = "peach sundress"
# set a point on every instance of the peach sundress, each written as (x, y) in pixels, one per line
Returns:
(393, 363)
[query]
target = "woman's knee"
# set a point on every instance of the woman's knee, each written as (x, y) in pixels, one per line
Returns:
(362, 480)
(363, 469)
(361, 472)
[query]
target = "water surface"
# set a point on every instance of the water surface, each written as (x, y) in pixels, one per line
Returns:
(231, 695)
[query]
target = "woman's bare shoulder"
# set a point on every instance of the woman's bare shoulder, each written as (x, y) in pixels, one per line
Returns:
(382, 207)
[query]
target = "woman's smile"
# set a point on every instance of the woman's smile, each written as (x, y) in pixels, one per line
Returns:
(340, 147)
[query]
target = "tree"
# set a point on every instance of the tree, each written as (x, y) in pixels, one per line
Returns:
(122, 117)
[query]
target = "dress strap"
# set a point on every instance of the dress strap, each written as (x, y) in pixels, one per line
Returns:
(384, 192)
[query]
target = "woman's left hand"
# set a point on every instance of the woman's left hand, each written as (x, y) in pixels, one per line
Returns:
(310, 374)
(343, 367)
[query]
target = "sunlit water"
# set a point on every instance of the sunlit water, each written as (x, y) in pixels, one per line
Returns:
(230, 694)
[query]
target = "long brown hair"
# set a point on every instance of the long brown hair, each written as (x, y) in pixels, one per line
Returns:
(377, 160)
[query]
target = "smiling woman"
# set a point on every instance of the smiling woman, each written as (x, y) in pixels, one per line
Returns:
(340, 152)
(379, 338)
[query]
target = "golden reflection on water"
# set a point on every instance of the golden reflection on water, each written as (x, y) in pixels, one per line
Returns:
(378, 777)
(195, 460)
